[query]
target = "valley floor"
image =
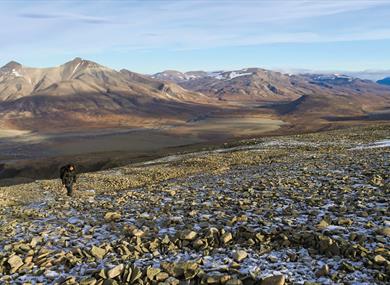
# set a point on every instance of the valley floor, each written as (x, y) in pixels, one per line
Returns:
(26, 156)
(303, 209)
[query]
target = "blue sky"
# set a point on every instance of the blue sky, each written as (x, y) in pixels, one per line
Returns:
(151, 36)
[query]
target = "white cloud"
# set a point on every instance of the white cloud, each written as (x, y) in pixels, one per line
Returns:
(88, 26)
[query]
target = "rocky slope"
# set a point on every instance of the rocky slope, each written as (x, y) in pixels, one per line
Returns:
(307, 209)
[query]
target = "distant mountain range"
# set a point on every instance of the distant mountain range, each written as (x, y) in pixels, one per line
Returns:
(240, 85)
(310, 94)
(373, 75)
(384, 81)
(82, 93)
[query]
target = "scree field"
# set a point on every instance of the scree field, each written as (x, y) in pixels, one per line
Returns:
(303, 209)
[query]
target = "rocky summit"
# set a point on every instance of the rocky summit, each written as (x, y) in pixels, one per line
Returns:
(304, 209)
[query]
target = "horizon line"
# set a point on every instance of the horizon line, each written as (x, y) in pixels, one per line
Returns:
(297, 70)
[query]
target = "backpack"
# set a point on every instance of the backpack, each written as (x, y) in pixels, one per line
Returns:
(67, 176)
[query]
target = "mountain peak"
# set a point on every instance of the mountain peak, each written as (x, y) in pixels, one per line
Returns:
(78, 64)
(12, 65)
(76, 60)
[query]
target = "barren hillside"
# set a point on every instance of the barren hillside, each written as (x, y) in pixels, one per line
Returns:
(306, 209)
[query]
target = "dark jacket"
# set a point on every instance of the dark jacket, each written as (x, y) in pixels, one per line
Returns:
(68, 176)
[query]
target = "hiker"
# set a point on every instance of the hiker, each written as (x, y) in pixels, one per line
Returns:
(68, 177)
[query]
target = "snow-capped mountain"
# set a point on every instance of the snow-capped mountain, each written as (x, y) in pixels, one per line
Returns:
(177, 76)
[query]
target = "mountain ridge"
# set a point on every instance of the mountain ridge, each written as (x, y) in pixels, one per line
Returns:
(83, 92)
(266, 85)
(85, 89)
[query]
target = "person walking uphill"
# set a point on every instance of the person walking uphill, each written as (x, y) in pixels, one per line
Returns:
(68, 177)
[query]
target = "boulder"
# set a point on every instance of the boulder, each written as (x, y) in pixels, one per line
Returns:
(162, 276)
(240, 255)
(234, 282)
(15, 262)
(274, 280)
(188, 235)
(138, 233)
(98, 252)
(88, 281)
(322, 225)
(226, 238)
(115, 271)
(151, 272)
(112, 216)
(379, 259)
(323, 271)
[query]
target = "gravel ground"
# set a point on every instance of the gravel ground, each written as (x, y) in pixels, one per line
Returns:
(307, 209)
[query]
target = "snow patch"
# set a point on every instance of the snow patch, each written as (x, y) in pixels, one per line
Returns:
(234, 74)
(378, 144)
(222, 75)
(190, 77)
(16, 73)
(74, 70)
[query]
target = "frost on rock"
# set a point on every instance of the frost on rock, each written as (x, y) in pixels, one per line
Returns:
(378, 144)
(301, 210)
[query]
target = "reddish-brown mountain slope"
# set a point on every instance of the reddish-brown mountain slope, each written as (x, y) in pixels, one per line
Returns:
(84, 92)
